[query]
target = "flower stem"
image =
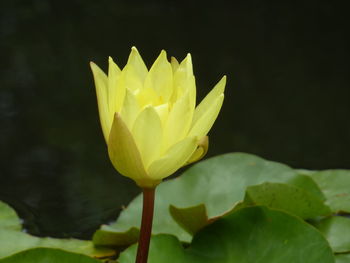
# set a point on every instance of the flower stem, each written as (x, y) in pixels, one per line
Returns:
(146, 225)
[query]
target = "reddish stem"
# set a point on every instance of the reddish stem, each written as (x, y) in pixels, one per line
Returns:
(146, 225)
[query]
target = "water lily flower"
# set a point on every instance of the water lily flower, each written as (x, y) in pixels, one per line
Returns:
(149, 118)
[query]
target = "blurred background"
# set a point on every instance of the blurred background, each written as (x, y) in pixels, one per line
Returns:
(287, 97)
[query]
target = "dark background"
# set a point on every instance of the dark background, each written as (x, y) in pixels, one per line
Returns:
(287, 97)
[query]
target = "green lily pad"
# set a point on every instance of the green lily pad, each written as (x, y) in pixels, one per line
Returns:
(191, 219)
(286, 197)
(337, 231)
(14, 240)
(218, 183)
(342, 258)
(249, 235)
(9, 218)
(335, 184)
(48, 255)
(111, 237)
(308, 184)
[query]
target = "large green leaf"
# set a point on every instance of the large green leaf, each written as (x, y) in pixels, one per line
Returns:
(9, 218)
(335, 184)
(14, 240)
(337, 231)
(48, 255)
(248, 235)
(191, 219)
(217, 183)
(342, 258)
(289, 198)
(286, 197)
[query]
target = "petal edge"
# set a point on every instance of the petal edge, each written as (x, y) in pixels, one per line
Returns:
(173, 160)
(125, 155)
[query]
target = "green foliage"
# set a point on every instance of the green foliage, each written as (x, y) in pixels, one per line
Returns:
(335, 184)
(191, 219)
(48, 255)
(14, 240)
(217, 183)
(248, 235)
(231, 208)
(8, 218)
(286, 197)
(342, 258)
(337, 230)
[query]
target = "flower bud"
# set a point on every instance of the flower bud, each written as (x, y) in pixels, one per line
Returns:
(149, 118)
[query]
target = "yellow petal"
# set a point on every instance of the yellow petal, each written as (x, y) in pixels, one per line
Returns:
(185, 66)
(163, 112)
(147, 132)
(201, 150)
(101, 83)
(130, 79)
(135, 68)
(179, 121)
(182, 78)
(130, 109)
(147, 96)
(136, 61)
(207, 119)
(174, 159)
(125, 155)
(188, 85)
(160, 77)
(191, 88)
(209, 100)
(116, 92)
(174, 64)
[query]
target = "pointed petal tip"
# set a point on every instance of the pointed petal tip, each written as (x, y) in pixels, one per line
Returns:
(221, 96)
(188, 62)
(116, 117)
(133, 48)
(163, 53)
(113, 65)
(148, 107)
(201, 151)
(223, 80)
(94, 67)
(134, 52)
(221, 85)
(174, 63)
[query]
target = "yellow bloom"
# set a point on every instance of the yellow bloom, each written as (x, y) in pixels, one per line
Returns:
(149, 118)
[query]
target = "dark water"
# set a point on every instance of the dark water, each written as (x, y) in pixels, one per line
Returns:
(287, 97)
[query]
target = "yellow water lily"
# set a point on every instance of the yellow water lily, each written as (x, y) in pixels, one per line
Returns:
(149, 118)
